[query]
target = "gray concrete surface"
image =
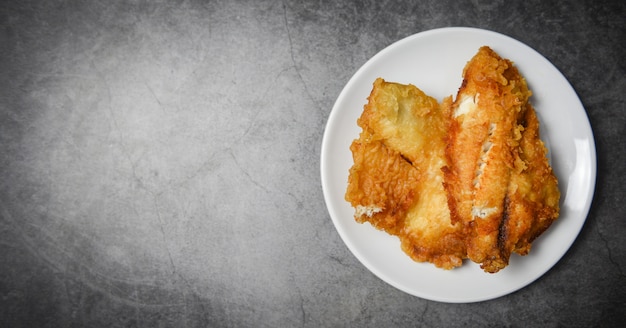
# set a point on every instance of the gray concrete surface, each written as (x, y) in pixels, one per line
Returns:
(160, 163)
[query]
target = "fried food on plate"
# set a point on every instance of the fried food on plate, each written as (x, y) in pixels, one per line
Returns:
(499, 183)
(463, 179)
(396, 182)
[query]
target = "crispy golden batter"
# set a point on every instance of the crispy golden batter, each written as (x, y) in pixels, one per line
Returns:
(463, 179)
(496, 160)
(533, 194)
(382, 185)
(396, 182)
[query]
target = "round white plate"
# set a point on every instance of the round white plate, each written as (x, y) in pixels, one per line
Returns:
(433, 61)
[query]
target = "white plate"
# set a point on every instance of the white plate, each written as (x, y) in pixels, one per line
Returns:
(434, 61)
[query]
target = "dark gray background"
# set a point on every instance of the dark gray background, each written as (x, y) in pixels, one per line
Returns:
(160, 162)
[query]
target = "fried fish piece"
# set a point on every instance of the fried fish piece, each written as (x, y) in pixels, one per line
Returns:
(463, 179)
(496, 160)
(396, 182)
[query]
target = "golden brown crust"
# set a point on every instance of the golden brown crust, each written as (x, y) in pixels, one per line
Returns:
(494, 150)
(397, 174)
(463, 179)
(533, 191)
(382, 180)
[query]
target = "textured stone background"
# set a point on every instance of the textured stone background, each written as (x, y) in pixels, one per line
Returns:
(159, 162)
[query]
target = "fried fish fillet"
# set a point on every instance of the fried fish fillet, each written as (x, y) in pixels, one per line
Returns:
(463, 179)
(498, 180)
(396, 182)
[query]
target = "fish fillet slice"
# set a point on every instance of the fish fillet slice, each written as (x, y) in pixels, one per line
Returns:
(396, 182)
(493, 161)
